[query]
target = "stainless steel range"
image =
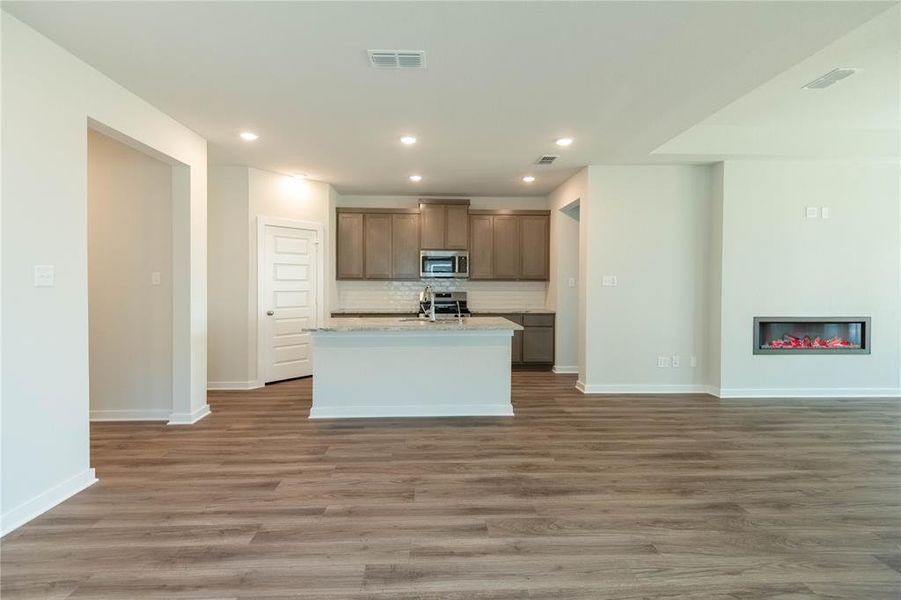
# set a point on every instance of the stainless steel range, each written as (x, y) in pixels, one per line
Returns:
(447, 305)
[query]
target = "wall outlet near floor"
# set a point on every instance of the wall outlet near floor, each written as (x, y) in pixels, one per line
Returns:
(608, 280)
(676, 361)
(663, 362)
(811, 212)
(694, 361)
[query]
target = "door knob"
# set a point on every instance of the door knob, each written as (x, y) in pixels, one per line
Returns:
(269, 313)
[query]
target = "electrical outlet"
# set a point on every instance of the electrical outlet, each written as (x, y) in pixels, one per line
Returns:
(694, 361)
(608, 280)
(663, 362)
(44, 276)
(155, 278)
(572, 282)
(824, 212)
(675, 361)
(811, 212)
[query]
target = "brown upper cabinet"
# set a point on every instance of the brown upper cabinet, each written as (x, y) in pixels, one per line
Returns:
(444, 226)
(349, 242)
(377, 244)
(507, 245)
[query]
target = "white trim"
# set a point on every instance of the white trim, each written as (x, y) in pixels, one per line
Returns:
(189, 418)
(807, 392)
(262, 222)
(28, 510)
(565, 370)
(652, 388)
(149, 414)
(233, 385)
(426, 410)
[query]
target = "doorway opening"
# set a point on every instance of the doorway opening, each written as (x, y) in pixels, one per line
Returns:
(130, 289)
(290, 297)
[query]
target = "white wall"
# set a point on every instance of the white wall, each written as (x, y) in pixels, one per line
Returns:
(713, 318)
(777, 263)
(129, 238)
(229, 270)
(562, 299)
(48, 97)
(648, 226)
(239, 196)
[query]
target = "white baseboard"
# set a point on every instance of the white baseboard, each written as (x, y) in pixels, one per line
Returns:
(653, 388)
(807, 392)
(150, 414)
(425, 410)
(28, 510)
(232, 385)
(189, 418)
(565, 370)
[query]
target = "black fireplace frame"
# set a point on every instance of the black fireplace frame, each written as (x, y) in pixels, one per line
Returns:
(865, 336)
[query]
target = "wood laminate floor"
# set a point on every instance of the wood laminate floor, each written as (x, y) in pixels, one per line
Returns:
(577, 497)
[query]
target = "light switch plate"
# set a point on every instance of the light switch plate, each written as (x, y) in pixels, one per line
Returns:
(44, 276)
(812, 212)
(155, 278)
(608, 280)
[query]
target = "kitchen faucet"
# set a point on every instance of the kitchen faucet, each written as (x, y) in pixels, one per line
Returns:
(428, 295)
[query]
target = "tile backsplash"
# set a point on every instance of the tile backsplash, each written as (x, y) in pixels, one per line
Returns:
(401, 295)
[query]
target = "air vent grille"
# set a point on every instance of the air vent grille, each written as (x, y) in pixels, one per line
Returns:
(397, 59)
(546, 159)
(830, 78)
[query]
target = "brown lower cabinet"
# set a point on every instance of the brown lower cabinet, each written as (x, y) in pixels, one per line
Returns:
(534, 344)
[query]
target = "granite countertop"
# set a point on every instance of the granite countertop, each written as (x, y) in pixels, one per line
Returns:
(414, 310)
(361, 324)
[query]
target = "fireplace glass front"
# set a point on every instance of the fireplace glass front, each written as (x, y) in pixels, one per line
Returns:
(805, 335)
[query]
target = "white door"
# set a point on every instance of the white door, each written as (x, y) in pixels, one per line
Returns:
(289, 281)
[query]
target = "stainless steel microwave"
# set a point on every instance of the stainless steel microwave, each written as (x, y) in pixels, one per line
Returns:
(452, 264)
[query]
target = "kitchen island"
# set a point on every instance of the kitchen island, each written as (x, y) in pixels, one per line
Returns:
(402, 367)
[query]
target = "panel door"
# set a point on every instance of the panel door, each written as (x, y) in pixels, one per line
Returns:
(535, 230)
(405, 246)
(481, 247)
(350, 246)
(507, 256)
(289, 285)
(377, 255)
(538, 345)
(432, 225)
(457, 227)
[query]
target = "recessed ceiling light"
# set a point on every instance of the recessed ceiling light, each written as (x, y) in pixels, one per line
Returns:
(528, 179)
(408, 140)
(415, 177)
(248, 136)
(564, 141)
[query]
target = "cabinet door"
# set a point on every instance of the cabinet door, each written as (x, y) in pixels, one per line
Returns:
(378, 246)
(457, 232)
(405, 246)
(535, 246)
(481, 247)
(538, 345)
(506, 247)
(349, 244)
(432, 225)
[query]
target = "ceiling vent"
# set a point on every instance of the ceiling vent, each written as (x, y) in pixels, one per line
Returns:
(546, 159)
(397, 59)
(830, 78)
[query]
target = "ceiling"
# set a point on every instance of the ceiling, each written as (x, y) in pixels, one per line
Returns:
(857, 117)
(503, 81)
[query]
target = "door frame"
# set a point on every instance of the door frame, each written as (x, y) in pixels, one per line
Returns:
(262, 223)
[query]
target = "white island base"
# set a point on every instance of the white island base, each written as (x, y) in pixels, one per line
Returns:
(366, 368)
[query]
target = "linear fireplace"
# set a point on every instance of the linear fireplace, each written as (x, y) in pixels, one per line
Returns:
(811, 335)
